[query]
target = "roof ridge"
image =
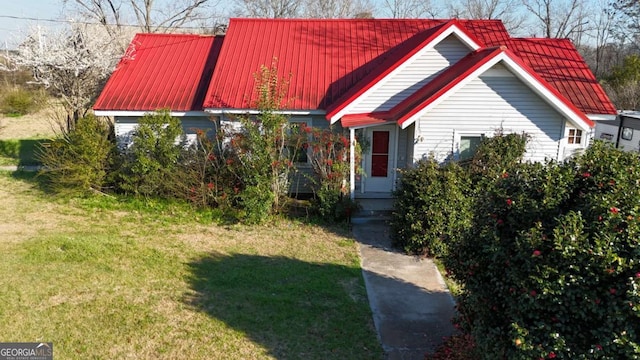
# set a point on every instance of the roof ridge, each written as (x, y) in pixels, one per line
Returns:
(443, 20)
(176, 35)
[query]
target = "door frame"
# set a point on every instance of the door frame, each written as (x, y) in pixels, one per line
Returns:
(393, 159)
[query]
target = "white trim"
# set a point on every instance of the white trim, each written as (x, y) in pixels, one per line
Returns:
(352, 163)
(256, 112)
(597, 117)
(128, 113)
(371, 125)
(453, 29)
(395, 160)
(521, 74)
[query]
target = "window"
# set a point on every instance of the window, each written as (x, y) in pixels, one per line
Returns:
(468, 146)
(380, 154)
(300, 127)
(627, 133)
(575, 136)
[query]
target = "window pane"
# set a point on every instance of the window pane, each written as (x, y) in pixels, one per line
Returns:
(380, 142)
(468, 146)
(379, 165)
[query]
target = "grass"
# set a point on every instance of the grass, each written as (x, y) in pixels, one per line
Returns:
(454, 287)
(19, 152)
(106, 277)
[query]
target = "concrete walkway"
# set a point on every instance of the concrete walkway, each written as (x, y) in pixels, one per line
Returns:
(20, 167)
(412, 308)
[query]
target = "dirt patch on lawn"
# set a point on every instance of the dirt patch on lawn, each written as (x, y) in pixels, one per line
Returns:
(43, 124)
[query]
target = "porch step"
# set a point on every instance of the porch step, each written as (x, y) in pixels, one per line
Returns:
(371, 216)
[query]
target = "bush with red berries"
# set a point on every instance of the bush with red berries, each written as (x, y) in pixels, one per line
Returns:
(551, 266)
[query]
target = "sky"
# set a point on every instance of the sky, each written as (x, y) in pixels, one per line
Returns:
(11, 30)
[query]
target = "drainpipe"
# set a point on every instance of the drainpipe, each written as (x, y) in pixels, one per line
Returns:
(352, 163)
(620, 127)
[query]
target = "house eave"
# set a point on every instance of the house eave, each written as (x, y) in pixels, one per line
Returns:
(221, 111)
(140, 113)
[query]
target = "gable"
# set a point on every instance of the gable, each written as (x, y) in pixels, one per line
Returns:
(410, 76)
(494, 101)
(473, 66)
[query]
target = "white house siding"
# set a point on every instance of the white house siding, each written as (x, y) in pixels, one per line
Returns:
(412, 75)
(125, 126)
(496, 100)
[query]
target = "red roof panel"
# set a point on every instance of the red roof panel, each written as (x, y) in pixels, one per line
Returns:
(324, 58)
(162, 71)
(559, 63)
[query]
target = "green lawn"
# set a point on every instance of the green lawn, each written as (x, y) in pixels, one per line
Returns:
(19, 152)
(113, 278)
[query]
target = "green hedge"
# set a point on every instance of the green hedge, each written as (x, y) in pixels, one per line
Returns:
(550, 266)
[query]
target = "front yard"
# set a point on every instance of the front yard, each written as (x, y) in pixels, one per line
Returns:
(109, 278)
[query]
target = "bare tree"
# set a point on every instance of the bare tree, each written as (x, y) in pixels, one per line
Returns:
(399, 9)
(329, 9)
(72, 63)
(604, 19)
(627, 29)
(146, 14)
(560, 18)
(270, 8)
(505, 10)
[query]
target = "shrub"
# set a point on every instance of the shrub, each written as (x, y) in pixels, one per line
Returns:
(550, 266)
(431, 208)
(495, 154)
(19, 101)
(433, 201)
(456, 347)
(149, 166)
(78, 161)
(258, 156)
(329, 151)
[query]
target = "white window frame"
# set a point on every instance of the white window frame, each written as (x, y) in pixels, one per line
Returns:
(568, 136)
(457, 138)
(309, 123)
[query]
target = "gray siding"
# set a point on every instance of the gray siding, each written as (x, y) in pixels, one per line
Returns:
(125, 127)
(414, 74)
(496, 100)
(301, 182)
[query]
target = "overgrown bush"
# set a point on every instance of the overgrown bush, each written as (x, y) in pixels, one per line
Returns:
(433, 201)
(495, 154)
(329, 151)
(19, 101)
(149, 166)
(78, 161)
(550, 266)
(432, 207)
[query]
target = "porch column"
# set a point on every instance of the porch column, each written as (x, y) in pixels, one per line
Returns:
(352, 163)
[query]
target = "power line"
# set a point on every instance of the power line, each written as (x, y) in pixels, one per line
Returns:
(60, 21)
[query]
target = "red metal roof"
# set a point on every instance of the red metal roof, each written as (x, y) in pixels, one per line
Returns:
(325, 58)
(559, 63)
(327, 61)
(162, 71)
